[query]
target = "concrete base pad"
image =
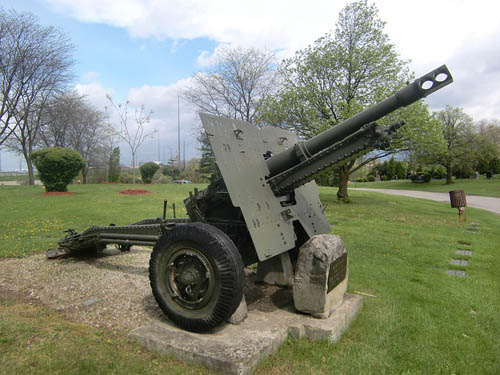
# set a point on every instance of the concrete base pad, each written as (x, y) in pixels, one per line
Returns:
(237, 349)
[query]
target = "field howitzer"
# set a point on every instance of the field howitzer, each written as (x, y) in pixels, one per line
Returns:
(265, 205)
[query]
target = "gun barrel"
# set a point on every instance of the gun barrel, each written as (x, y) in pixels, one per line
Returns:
(418, 89)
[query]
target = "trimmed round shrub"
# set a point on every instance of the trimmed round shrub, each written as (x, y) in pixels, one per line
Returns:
(371, 178)
(148, 170)
(57, 167)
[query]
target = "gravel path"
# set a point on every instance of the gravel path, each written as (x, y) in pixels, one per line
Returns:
(485, 203)
(110, 291)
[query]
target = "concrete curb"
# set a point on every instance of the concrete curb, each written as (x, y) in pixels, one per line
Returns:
(237, 349)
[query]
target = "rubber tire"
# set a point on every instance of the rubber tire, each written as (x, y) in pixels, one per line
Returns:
(226, 263)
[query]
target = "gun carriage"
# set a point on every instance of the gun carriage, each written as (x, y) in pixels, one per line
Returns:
(265, 205)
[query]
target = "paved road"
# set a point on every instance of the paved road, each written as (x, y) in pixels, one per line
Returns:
(476, 201)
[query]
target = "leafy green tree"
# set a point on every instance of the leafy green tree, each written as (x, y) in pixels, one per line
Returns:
(456, 128)
(172, 171)
(487, 156)
(207, 167)
(57, 167)
(114, 165)
(192, 171)
(490, 129)
(390, 169)
(340, 75)
(147, 171)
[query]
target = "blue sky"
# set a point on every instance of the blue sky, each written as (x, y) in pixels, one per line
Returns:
(145, 51)
(122, 61)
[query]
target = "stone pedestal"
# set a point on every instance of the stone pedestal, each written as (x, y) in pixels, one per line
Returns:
(321, 275)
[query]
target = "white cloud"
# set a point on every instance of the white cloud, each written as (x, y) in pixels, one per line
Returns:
(207, 58)
(162, 100)
(265, 24)
(427, 32)
(94, 93)
(429, 27)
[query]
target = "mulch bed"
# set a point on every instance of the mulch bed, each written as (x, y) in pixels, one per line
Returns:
(50, 193)
(135, 191)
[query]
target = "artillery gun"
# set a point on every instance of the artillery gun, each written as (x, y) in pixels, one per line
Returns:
(265, 206)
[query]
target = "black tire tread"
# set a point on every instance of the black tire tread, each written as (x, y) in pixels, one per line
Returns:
(229, 264)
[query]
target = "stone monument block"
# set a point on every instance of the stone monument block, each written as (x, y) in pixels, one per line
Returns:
(321, 275)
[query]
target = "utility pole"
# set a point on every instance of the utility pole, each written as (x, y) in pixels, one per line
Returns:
(178, 134)
(159, 158)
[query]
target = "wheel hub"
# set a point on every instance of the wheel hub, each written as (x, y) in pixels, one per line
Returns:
(190, 278)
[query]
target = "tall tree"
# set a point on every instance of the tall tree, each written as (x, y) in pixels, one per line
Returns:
(61, 113)
(235, 87)
(487, 157)
(340, 75)
(87, 137)
(34, 65)
(457, 131)
(133, 135)
(207, 165)
(114, 165)
(490, 129)
(70, 121)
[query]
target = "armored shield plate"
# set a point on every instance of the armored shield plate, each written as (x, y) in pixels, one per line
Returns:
(239, 149)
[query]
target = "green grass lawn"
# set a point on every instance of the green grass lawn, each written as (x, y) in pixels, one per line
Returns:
(482, 186)
(37, 340)
(420, 322)
(31, 221)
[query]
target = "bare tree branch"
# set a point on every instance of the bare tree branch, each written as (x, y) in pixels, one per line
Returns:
(133, 135)
(236, 86)
(34, 65)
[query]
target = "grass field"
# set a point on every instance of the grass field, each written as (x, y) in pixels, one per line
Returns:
(31, 221)
(420, 322)
(482, 186)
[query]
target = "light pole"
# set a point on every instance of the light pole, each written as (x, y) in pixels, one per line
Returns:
(158, 134)
(178, 134)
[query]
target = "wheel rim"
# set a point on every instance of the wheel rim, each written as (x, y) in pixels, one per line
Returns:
(190, 278)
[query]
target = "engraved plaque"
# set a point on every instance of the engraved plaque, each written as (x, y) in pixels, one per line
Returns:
(338, 271)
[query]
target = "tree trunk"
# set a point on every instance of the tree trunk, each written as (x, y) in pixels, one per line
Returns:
(110, 167)
(29, 166)
(133, 168)
(31, 175)
(342, 194)
(85, 172)
(449, 174)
